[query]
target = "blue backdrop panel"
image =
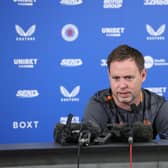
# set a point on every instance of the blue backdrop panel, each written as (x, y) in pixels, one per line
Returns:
(53, 57)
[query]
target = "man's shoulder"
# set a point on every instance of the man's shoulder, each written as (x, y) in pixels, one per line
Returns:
(101, 94)
(153, 96)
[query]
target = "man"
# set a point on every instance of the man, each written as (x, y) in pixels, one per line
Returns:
(126, 74)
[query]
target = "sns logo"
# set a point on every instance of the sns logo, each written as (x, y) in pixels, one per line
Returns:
(27, 93)
(71, 2)
(103, 62)
(75, 119)
(25, 35)
(155, 35)
(69, 96)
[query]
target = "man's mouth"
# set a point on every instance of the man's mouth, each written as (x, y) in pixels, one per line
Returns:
(124, 94)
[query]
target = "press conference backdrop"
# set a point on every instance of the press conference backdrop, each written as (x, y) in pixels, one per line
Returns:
(53, 57)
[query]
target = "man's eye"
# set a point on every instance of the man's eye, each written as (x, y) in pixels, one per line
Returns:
(129, 77)
(115, 77)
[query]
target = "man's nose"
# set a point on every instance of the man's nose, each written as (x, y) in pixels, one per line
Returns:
(123, 83)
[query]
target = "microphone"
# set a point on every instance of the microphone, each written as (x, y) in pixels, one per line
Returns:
(142, 132)
(67, 133)
(134, 110)
(73, 133)
(89, 131)
(133, 107)
(68, 122)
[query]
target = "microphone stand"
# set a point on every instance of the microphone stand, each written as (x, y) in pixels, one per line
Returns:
(79, 145)
(130, 141)
(133, 108)
(83, 140)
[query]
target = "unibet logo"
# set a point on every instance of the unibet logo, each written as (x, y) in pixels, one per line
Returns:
(69, 96)
(24, 2)
(113, 31)
(25, 124)
(25, 63)
(25, 35)
(158, 90)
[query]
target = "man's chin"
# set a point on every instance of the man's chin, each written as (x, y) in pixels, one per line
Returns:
(125, 100)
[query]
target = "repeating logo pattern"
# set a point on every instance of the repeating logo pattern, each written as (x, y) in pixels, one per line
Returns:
(155, 35)
(113, 3)
(27, 93)
(25, 2)
(113, 31)
(155, 2)
(25, 63)
(70, 32)
(55, 52)
(158, 90)
(25, 124)
(75, 119)
(71, 62)
(25, 35)
(150, 62)
(71, 2)
(70, 96)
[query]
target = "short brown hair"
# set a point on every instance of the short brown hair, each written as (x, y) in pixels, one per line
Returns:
(124, 52)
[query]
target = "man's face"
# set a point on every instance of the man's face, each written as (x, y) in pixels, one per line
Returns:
(125, 81)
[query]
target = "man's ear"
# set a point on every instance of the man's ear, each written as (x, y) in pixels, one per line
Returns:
(144, 74)
(108, 74)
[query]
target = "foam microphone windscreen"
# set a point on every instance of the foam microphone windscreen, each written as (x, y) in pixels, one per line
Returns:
(142, 133)
(92, 127)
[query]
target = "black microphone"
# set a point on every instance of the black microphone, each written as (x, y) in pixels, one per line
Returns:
(142, 132)
(69, 121)
(134, 110)
(67, 133)
(89, 131)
